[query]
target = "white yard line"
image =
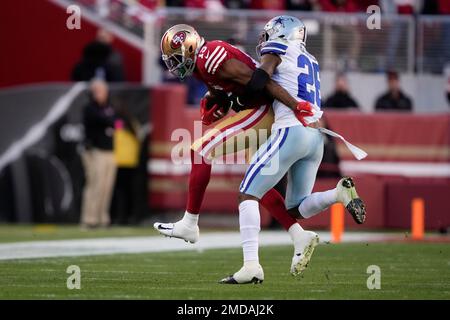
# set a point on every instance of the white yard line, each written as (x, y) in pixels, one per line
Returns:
(213, 240)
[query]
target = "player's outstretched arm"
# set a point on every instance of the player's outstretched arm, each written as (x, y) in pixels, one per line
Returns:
(269, 62)
(256, 81)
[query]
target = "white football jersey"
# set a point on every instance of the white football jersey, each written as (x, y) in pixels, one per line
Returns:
(298, 73)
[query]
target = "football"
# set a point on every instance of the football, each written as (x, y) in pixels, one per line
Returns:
(220, 98)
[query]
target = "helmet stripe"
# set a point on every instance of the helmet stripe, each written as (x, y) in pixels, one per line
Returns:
(272, 50)
(276, 45)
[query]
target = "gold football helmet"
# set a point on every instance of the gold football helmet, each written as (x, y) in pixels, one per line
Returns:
(179, 47)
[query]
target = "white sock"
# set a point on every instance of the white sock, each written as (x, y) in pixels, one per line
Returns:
(251, 264)
(249, 225)
(191, 220)
(295, 231)
(317, 202)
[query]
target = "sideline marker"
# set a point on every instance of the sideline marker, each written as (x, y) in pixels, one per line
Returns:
(337, 222)
(417, 218)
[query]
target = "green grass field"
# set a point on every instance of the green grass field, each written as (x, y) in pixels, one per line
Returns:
(408, 271)
(14, 232)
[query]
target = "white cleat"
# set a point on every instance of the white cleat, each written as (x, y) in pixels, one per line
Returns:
(247, 274)
(346, 194)
(178, 230)
(303, 254)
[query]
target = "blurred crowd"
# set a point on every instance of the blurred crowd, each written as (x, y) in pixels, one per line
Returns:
(394, 99)
(391, 6)
(431, 7)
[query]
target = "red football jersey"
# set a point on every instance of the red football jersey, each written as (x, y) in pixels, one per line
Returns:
(211, 58)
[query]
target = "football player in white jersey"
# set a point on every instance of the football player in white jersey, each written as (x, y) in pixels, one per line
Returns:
(295, 147)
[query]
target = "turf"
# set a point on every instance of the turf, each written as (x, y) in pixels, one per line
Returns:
(15, 232)
(337, 271)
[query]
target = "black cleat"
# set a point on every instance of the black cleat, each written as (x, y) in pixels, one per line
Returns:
(231, 280)
(348, 196)
(247, 274)
(357, 209)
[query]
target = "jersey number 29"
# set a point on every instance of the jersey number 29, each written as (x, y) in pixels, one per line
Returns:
(308, 80)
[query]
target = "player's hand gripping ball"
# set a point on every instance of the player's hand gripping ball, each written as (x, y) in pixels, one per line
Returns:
(212, 109)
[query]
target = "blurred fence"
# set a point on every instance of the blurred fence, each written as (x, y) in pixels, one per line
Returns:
(339, 41)
(433, 43)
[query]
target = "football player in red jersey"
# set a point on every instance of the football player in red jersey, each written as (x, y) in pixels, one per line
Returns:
(228, 73)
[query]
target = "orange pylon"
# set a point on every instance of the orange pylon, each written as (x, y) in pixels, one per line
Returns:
(337, 222)
(417, 218)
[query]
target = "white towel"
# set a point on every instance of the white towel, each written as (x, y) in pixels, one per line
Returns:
(357, 152)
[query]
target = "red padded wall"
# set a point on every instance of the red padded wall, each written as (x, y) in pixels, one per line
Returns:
(36, 46)
(388, 198)
(435, 194)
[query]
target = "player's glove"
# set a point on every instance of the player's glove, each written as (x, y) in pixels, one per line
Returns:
(236, 103)
(303, 110)
(211, 113)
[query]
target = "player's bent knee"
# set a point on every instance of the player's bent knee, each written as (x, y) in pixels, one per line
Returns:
(294, 213)
(242, 197)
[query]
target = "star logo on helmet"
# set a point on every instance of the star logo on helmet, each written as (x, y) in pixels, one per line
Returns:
(279, 21)
(178, 40)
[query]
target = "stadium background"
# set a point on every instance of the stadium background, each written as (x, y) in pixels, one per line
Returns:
(41, 175)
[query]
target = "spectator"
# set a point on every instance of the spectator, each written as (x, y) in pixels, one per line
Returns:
(394, 99)
(268, 4)
(440, 40)
(405, 6)
(302, 5)
(195, 4)
(339, 6)
(236, 4)
(398, 6)
(174, 3)
(448, 90)
(125, 205)
(436, 7)
(342, 41)
(447, 79)
(364, 4)
(341, 98)
(98, 157)
(99, 60)
(151, 4)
